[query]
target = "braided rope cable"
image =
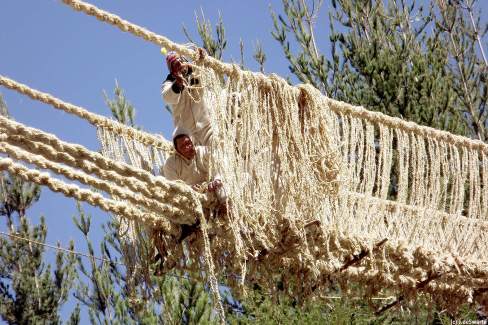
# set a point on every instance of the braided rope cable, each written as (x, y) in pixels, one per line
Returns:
(393, 206)
(74, 191)
(354, 111)
(336, 106)
(397, 123)
(118, 207)
(92, 118)
(80, 157)
(175, 190)
(149, 36)
(232, 69)
(169, 211)
(50, 153)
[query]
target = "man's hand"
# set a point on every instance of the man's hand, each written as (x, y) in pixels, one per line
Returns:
(178, 70)
(215, 185)
(178, 67)
(180, 81)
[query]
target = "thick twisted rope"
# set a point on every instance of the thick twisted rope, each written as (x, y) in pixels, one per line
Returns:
(147, 35)
(336, 106)
(95, 199)
(162, 209)
(93, 162)
(94, 119)
(121, 208)
(397, 123)
(76, 192)
(132, 183)
(168, 210)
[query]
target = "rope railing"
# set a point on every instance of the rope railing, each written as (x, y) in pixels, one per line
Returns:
(164, 208)
(149, 139)
(74, 191)
(155, 214)
(34, 142)
(148, 35)
(398, 123)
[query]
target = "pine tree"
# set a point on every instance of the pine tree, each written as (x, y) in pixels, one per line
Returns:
(426, 65)
(31, 291)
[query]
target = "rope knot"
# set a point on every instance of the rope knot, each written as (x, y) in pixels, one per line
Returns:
(201, 54)
(236, 69)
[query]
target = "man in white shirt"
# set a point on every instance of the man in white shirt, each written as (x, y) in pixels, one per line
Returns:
(190, 164)
(183, 91)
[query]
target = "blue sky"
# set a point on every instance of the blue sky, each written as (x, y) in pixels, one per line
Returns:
(48, 46)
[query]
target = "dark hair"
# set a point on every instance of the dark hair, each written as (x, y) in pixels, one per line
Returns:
(177, 137)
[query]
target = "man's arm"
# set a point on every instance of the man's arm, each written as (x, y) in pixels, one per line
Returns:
(203, 159)
(169, 170)
(203, 163)
(171, 90)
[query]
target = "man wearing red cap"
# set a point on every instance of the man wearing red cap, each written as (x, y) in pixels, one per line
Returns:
(184, 93)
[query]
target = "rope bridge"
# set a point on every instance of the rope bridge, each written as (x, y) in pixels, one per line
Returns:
(319, 190)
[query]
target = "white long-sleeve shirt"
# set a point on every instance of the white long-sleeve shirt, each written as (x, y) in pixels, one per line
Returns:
(188, 113)
(192, 172)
